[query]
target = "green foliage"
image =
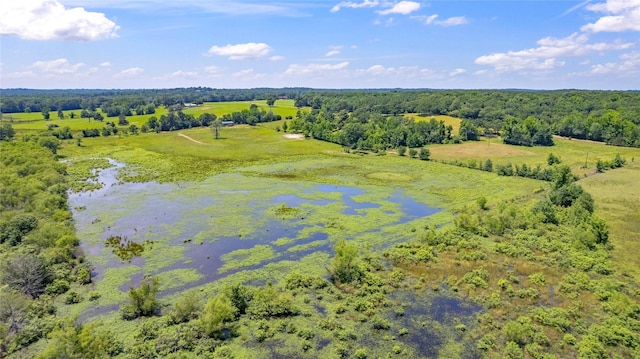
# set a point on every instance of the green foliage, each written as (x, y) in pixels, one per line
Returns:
(27, 274)
(186, 308)
(298, 280)
(142, 301)
(240, 297)
(413, 152)
(424, 154)
(528, 132)
(72, 297)
(402, 150)
(218, 311)
(6, 132)
(477, 278)
(268, 302)
(81, 341)
(553, 159)
(482, 202)
(344, 265)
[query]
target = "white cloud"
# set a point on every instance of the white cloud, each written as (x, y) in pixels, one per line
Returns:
(630, 66)
(105, 64)
(335, 50)
(20, 75)
(403, 8)
(451, 21)
(50, 20)
(354, 5)
(457, 72)
(212, 69)
(480, 72)
(276, 58)
(134, 71)
(544, 57)
(314, 68)
(622, 15)
(244, 73)
(59, 66)
(402, 72)
(183, 74)
(230, 7)
(250, 50)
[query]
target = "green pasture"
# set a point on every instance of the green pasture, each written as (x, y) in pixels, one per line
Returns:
(581, 156)
(33, 121)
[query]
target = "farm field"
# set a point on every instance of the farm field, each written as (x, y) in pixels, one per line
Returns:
(34, 122)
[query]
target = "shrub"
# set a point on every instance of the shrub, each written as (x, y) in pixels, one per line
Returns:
(142, 301)
(94, 295)
(72, 297)
(216, 313)
(186, 308)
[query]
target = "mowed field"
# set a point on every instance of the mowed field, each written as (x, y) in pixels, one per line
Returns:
(33, 121)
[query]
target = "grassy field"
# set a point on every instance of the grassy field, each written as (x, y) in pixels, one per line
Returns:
(617, 192)
(34, 122)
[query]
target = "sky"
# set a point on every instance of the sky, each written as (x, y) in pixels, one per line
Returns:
(123, 44)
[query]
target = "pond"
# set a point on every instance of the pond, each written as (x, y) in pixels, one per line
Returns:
(195, 233)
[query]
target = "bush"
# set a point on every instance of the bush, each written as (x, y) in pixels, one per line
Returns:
(186, 308)
(94, 295)
(142, 301)
(424, 154)
(72, 297)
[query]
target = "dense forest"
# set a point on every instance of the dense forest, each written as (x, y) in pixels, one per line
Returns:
(38, 254)
(362, 117)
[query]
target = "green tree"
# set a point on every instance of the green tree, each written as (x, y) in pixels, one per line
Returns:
(26, 274)
(142, 301)
(285, 127)
(488, 165)
(402, 150)
(344, 265)
(60, 114)
(80, 341)
(553, 159)
(215, 127)
(271, 100)
(45, 113)
(424, 154)
(133, 129)
(468, 131)
(218, 311)
(412, 152)
(186, 307)
(6, 132)
(122, 119)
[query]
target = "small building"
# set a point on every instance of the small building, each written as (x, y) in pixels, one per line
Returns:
(190, 105)
(227, 123)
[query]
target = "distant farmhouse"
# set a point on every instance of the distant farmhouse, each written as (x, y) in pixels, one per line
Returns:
(190, 105)
(227, 123)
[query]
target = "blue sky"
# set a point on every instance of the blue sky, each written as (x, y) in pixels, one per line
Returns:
(317, 43)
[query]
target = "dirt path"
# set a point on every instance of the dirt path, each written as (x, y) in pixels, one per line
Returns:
(191, 139)
(578, 139)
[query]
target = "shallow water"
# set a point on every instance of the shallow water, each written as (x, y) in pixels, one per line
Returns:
(197, 225)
